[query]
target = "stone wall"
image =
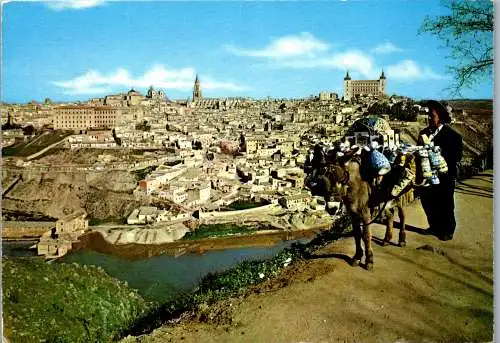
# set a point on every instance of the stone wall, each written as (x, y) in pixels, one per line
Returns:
(15, 230)
(226, 214)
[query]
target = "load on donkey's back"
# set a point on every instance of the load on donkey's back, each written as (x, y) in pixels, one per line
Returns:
(382, 156)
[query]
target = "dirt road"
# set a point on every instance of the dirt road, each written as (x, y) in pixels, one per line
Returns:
(430, 291)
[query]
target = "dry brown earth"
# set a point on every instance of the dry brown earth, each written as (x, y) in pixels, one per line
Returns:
(102, 195)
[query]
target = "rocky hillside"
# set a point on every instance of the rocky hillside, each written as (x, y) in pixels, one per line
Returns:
(102, 195)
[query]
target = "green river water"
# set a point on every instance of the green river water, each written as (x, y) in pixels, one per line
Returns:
(159, 278)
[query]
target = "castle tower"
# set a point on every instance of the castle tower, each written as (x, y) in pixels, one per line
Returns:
(197, 89)
(382, 83)
(347, 87)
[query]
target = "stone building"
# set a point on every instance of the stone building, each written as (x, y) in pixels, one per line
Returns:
(131, 98)
(84, 117)
(155, 94)
(59, 240)
(197, 89)
(353, 88)
(296, 201)
(327, 96)
(74, 222)
(254, 143)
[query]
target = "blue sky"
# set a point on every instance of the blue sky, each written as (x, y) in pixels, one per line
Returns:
(75, 50)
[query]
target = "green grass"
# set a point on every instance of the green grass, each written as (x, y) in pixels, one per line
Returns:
(142, 173)
(245, 205)
(60, 302)
(39, 142)
(218, 230)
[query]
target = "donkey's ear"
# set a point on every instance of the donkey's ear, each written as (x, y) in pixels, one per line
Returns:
(348, 155)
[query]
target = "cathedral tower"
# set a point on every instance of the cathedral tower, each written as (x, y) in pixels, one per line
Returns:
(197, 89)
(347, 87)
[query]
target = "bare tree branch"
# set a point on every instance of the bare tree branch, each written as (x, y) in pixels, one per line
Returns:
(468, 32)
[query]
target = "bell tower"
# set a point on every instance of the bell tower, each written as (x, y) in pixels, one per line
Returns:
(347, 87)
(197, 89)
(382, 83)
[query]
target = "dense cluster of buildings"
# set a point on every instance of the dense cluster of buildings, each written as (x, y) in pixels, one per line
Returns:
(225, 149)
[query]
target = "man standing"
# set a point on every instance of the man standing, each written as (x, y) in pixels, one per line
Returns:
(438, 200)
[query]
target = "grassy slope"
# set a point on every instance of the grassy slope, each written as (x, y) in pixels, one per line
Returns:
(36, 144)
(64, 302)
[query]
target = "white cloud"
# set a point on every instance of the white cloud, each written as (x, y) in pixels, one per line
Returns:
(409, 70)
(352, 60)
(304, 51)
(73, 4)
(60, 5)
(93, 82)
(386, 48)
(304, 44)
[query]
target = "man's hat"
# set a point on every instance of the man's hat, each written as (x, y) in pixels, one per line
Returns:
(443, 113)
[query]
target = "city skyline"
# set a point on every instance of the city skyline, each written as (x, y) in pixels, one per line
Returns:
(75, 50)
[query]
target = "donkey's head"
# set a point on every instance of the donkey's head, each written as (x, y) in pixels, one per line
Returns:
(342, 165)
(329, 178)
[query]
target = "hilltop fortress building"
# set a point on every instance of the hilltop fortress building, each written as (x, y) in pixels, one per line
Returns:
(353, 88)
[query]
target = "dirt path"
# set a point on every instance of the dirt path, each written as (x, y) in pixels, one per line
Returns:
(430, 291)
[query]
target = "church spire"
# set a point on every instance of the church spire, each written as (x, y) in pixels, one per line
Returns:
(382, 76)
(197, 89)
(347, 77)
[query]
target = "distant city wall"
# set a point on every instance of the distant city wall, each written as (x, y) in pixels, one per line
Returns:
(82, 168)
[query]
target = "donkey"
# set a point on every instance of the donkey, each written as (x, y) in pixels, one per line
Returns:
(343, 177)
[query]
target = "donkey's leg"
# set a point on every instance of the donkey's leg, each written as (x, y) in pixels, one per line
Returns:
(402, 231)
(367, 238)
(389, 213)
(356, 228)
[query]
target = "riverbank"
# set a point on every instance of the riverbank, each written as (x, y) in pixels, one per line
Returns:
(96, 242)
(22, 239)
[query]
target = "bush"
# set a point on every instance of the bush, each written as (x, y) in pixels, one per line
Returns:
(142, 173)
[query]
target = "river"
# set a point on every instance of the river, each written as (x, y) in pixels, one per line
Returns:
(162, 277)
